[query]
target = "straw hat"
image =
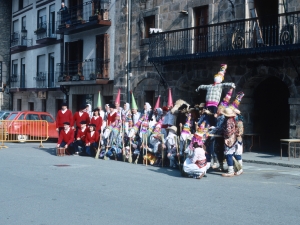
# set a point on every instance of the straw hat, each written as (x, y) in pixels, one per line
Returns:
(174, 128)
(228, 112)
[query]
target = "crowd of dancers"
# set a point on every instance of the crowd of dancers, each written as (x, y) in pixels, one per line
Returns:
(193, 139)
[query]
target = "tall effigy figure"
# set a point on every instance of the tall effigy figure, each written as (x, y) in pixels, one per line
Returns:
(214, 91)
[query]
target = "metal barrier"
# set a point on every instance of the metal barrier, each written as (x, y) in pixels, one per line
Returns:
(23, 131)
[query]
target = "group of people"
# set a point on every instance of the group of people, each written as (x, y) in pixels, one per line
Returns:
(191, 138)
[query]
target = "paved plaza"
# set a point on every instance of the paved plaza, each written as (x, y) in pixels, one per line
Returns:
(38, 187)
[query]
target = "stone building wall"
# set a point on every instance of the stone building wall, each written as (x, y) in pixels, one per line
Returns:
(184, 76)
(5, 23)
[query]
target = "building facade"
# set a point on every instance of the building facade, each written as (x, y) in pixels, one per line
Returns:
(60, 54)
(258, 40)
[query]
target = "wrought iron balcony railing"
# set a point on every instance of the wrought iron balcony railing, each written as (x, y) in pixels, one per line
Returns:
(88, 11)
(17, 81)
(89, 69)
(44, 80)
(45, 30)
(18, 39)
(261, 34)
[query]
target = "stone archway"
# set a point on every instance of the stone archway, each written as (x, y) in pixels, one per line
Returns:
(266, 105)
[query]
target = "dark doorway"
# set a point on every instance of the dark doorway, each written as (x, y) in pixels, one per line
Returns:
(150, 95)
(271, 113)
(30, 106)
(80, 100)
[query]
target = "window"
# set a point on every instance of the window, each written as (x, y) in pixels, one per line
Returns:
(24, 23)
(42, 18)
(44, 105)
(21, 5)
(41, 64)
(19, 104)
(149, 23)
(47, 118)
(21, 117)
(12, 116)
(32, 116)
(15, 68)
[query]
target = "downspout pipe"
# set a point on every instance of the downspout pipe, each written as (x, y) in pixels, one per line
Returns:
(128, 69)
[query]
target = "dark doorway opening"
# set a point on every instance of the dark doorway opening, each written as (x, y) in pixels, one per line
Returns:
(80, 100)
(150, 97)
(271, 113)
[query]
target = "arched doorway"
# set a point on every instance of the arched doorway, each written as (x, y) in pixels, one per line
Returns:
(271, 113)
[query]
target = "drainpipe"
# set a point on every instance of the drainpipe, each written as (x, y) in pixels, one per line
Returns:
(128, 59)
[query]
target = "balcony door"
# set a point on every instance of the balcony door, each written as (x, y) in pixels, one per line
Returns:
(75, 10)
(201, 34)
(267, 12)
(22, 77)
(73, 57)
(102, 55)
(51, 28)
(51, 70)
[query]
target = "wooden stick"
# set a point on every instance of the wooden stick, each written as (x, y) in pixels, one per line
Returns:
(162, 151)
(123, 135)
(106, 149)
(130, 156)
(146, 149)
(176, 141)
(99, 148)
(143, 143)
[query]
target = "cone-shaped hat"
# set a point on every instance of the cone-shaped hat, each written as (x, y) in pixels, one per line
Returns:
(118, 97)
(235, 104)
(170, 99)
(133, 103)
(226, 99)
(157, 103)
(99, 100)
(222, 71)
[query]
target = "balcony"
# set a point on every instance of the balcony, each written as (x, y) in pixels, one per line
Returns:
(17, 81)
(250, 36)
(89, 71)
(19, 41)
(90, 15)
(45, 33)
(44, 80)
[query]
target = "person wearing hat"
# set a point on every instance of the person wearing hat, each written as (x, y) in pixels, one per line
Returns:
(230, 139)
(80, 138)
(66, 138)
(63, 115)
(92, 140)
(80, 116)
(111, 116)
(172, 146)
(97, 119)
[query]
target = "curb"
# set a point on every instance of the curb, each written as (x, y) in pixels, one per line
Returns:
(271, 163)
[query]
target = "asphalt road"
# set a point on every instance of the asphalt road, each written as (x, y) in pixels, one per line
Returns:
(40, 188)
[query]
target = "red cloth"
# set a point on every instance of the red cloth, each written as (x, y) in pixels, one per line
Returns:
(84, 117)
(97, 122)
(68, 138)
(111, 118)
(82, 134)
(64, 117)
(91, 139)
